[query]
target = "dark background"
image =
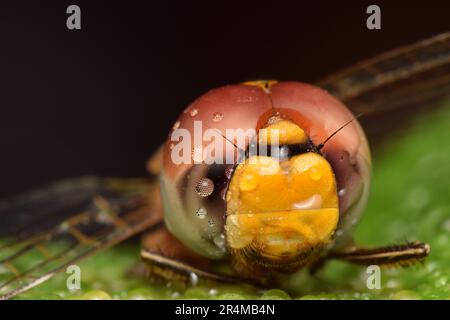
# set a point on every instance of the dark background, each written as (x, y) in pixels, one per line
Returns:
(100, 100)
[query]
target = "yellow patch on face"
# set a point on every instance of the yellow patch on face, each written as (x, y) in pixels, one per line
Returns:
(293, 208)
(282, 132)
(264, 84)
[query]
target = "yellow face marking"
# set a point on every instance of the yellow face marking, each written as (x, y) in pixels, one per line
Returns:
(249, 181)
(283, 132)
(293, 209)
(264, 84)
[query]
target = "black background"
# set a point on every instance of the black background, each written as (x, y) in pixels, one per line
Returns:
(101, 99)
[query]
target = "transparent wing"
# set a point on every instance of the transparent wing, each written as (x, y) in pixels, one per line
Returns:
(397, 83)
(61, 224)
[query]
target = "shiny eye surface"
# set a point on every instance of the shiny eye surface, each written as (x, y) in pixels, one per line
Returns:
(194, 179)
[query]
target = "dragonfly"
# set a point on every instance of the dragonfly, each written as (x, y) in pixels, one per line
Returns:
(90, 214)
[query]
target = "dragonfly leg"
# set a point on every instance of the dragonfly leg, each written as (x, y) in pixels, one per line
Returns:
(167, 258)
(395, 255)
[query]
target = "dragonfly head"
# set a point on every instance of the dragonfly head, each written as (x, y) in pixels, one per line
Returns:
(282, 208)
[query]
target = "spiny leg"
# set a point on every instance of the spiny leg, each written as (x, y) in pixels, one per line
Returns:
(169, 259)
(394, 255)
(171, 269)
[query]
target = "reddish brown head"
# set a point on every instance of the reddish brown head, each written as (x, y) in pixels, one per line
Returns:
(199, 173)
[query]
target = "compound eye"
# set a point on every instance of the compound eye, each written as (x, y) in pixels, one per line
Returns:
(194, 208)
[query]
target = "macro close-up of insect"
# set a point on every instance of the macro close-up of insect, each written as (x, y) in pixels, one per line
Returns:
(256, 183)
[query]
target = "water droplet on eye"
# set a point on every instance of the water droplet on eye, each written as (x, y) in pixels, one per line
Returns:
(315, 174)
(441, 282)
(393, 284)
(217, 116)
(248, 182)
(193, 278)
(193, 112)
(204, 187)
(228, 172)
(201, 213)
(223, 194)
(284, 152)
(176, 125)
(64, 226)
(341, 192)
(313, 202)
(219, 240)
(274, 119)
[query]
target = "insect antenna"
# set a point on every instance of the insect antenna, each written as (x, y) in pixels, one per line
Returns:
(241, 151)
(322, 144)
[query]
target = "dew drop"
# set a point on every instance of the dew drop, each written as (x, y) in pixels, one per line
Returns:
(315, 174)
(213, 292)
(193, 112)
(217, 117)
(219, 240)
(201, 213)
(193, 279)
(405, 295)
(204, 187)
(431, 266)
(313, 202)
(284, 152)
(229, 172)
(223, 194)
(274, 119)
(341, 192)
(393, 284)
(248, 182)
(176, 125)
